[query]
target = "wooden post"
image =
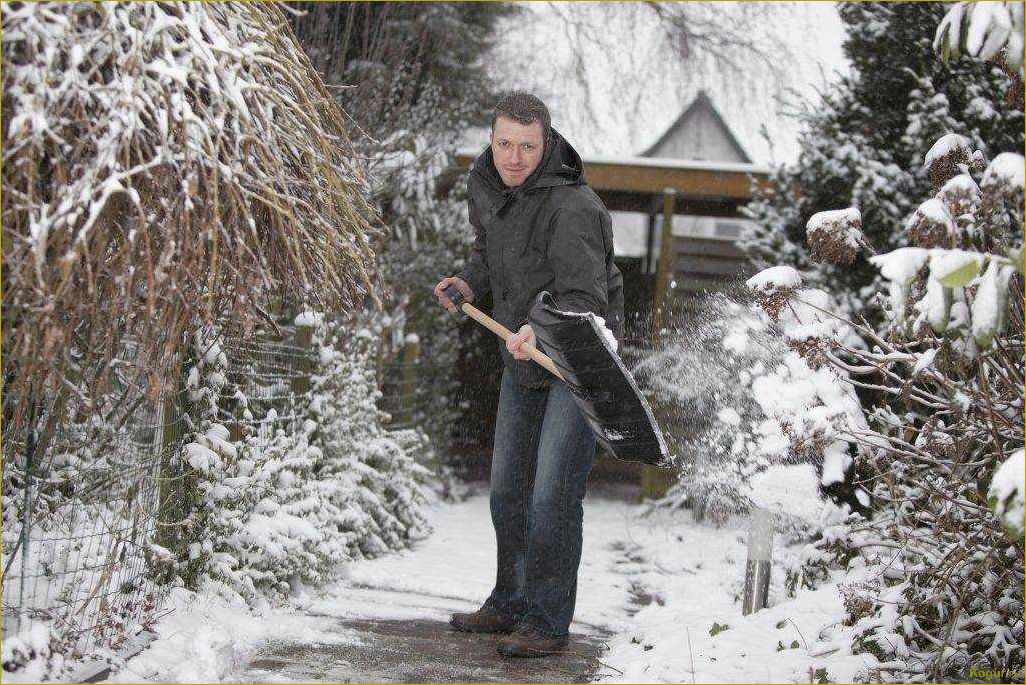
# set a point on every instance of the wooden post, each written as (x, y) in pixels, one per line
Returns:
(665, 258)
(698, 506)
(304, 362)
(655, 481)
(650, 259)
(411, 357)
(173, 493)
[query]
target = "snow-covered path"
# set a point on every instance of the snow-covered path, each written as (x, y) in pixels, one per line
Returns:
(658, 601)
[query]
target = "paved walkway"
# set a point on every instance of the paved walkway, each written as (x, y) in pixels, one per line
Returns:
(421, 650)
(392, 613)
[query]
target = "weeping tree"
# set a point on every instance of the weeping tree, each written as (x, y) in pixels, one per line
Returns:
(164, 165)
(615, 73)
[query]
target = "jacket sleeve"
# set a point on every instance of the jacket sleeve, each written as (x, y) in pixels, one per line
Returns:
(475, 273)
(577, 255)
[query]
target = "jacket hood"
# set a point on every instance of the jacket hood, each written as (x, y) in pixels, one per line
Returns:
(560, 166)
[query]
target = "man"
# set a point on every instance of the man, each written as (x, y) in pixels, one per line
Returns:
(538, 227)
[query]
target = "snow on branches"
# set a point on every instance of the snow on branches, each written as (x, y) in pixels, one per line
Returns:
(986, 30)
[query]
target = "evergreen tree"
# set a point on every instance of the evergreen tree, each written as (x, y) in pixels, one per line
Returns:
(414, 78)
(865, 143)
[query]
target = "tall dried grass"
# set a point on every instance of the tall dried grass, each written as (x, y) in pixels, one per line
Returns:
(164, 165)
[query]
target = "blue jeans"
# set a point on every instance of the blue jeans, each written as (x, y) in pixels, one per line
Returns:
(544, 450)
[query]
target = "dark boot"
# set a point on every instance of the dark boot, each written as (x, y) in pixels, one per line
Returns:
(484, 620)
(527, 641)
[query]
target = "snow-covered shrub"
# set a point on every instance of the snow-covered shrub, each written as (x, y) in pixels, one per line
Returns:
(163, 164)
(942, 449)
(368, 475)
(1006, 492)
(429, 236)
(866, 141)
(297, 496)
(35, 655)
(987, 30)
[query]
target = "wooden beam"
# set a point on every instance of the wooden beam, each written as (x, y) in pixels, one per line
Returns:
(694, 180)
(689, 183)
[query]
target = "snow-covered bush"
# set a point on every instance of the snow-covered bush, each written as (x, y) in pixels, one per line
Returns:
(368, 474)
(165, 166)
(429, 237)
(36, 655)
(986, 30)
(866, 141)
(297, 496)
(1006, 493)
(942, 449)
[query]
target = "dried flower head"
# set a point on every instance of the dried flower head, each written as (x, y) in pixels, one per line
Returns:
(931, 225)
(811, 350)
(1003, 178)
(960, 196)
(773, 287)
(835, 236)
(943, 159)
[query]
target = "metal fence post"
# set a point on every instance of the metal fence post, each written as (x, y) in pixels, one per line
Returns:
(760, 554)
(26, 512)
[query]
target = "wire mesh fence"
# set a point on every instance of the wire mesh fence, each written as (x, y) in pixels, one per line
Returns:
(88, 521)
(79, 519)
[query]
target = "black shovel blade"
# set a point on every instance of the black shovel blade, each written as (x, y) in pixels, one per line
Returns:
(604, 389)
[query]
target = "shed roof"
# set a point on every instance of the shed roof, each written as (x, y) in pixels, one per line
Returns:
(700, 105)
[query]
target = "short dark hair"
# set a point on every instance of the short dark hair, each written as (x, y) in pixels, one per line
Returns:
(525, 109)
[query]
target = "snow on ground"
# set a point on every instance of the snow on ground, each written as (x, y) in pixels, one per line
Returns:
(668, 590)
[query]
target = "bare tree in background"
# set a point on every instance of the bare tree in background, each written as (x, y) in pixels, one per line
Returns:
(646, 54)
(402, 65)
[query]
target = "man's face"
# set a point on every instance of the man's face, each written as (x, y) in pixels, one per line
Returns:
(516, 149)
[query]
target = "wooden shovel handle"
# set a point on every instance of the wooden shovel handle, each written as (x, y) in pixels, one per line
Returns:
(498, 329)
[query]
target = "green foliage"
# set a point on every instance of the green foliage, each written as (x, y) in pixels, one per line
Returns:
(718, 628)
(422, 82)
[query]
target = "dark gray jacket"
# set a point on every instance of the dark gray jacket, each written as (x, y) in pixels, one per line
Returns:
(549, 233)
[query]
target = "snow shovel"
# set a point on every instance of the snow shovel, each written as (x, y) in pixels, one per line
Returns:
(580, 356)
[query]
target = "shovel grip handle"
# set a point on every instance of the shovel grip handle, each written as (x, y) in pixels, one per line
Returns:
(498, 329)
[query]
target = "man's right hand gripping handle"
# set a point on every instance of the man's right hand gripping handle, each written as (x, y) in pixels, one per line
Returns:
(453, 287)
